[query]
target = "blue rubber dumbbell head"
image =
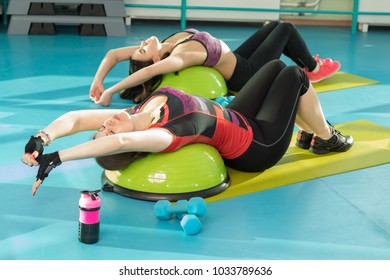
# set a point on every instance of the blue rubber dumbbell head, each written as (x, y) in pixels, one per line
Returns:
(197, 206)
(191, 224)
(161, 209)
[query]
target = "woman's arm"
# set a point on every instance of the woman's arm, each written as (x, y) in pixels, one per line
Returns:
(75, 121)
(170, 64)
(150, 140)
(67, 124)
(108, 62)
(111, 59)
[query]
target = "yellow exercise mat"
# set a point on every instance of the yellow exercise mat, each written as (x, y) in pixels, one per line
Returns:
(372, 147)
(342, 80)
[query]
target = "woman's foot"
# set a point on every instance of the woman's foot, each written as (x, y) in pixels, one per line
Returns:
(303, 139)
(326, 68)
(336, 143)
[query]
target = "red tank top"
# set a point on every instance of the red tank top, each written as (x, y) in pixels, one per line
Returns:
(194, 119)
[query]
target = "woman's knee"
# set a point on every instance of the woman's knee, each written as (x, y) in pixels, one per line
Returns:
(287, 27)
(276, 64)
(284, 25)
(273, 24)
(297, 73)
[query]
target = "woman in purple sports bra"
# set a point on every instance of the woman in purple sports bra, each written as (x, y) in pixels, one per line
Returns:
(191, 47)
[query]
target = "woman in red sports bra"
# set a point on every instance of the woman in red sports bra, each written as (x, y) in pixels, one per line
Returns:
(252, 133)
(191, 47)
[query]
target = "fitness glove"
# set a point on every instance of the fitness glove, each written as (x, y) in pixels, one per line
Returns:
(34, 144)
(47, 163)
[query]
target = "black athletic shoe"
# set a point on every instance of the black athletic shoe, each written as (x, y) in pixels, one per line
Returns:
(303, 139)
(337, 143)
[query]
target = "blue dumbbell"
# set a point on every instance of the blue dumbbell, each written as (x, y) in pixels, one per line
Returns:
(191, 224)
(222, 101)
(181, 202)
(164, 209)
(230, 98)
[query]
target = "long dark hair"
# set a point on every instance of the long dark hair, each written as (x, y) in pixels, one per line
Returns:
(139, 93)
(119, 161)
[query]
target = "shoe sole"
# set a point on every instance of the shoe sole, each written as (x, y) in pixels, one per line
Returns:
(323, 152)
(302, 145)
(318, 151)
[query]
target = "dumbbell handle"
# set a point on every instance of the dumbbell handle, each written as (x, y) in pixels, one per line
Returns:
(165, 209)
(177, 208)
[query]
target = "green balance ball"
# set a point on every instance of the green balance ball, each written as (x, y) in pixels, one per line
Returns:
(193, 170)
(198, 80)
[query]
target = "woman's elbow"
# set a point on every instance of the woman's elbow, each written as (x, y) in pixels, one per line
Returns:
(148, 72)
(123, 144)
(112, 56)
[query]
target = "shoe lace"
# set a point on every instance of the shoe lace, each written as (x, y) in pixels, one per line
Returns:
(323, 62)
(334, 130)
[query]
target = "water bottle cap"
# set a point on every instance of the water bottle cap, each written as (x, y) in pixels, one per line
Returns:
(93, 194)
(87, 191)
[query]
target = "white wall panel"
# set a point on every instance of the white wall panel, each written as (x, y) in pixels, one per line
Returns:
(209, 15)
(373, 6)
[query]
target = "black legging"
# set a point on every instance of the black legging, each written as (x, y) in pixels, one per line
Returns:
(269, 101)
(269, 43)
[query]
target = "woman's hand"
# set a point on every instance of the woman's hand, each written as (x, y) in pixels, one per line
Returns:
(47, 163)
(34, 144)
(105, 99)
(96, 91)
(30, 159)
(32, 150)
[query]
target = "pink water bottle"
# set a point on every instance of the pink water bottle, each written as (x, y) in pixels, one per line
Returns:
(89, 220)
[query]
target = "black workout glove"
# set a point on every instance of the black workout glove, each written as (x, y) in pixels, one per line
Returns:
(46, 164)
(34, 144)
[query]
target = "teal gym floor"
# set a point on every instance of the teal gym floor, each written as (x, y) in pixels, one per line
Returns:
(338, 217)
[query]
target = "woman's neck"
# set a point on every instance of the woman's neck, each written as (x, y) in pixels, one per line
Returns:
(142, 120)
(150, 112)
(166, 48)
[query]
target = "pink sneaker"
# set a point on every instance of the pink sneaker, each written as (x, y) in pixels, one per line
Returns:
(328, 68)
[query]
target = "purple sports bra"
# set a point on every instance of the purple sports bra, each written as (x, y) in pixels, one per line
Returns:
(211, 44)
